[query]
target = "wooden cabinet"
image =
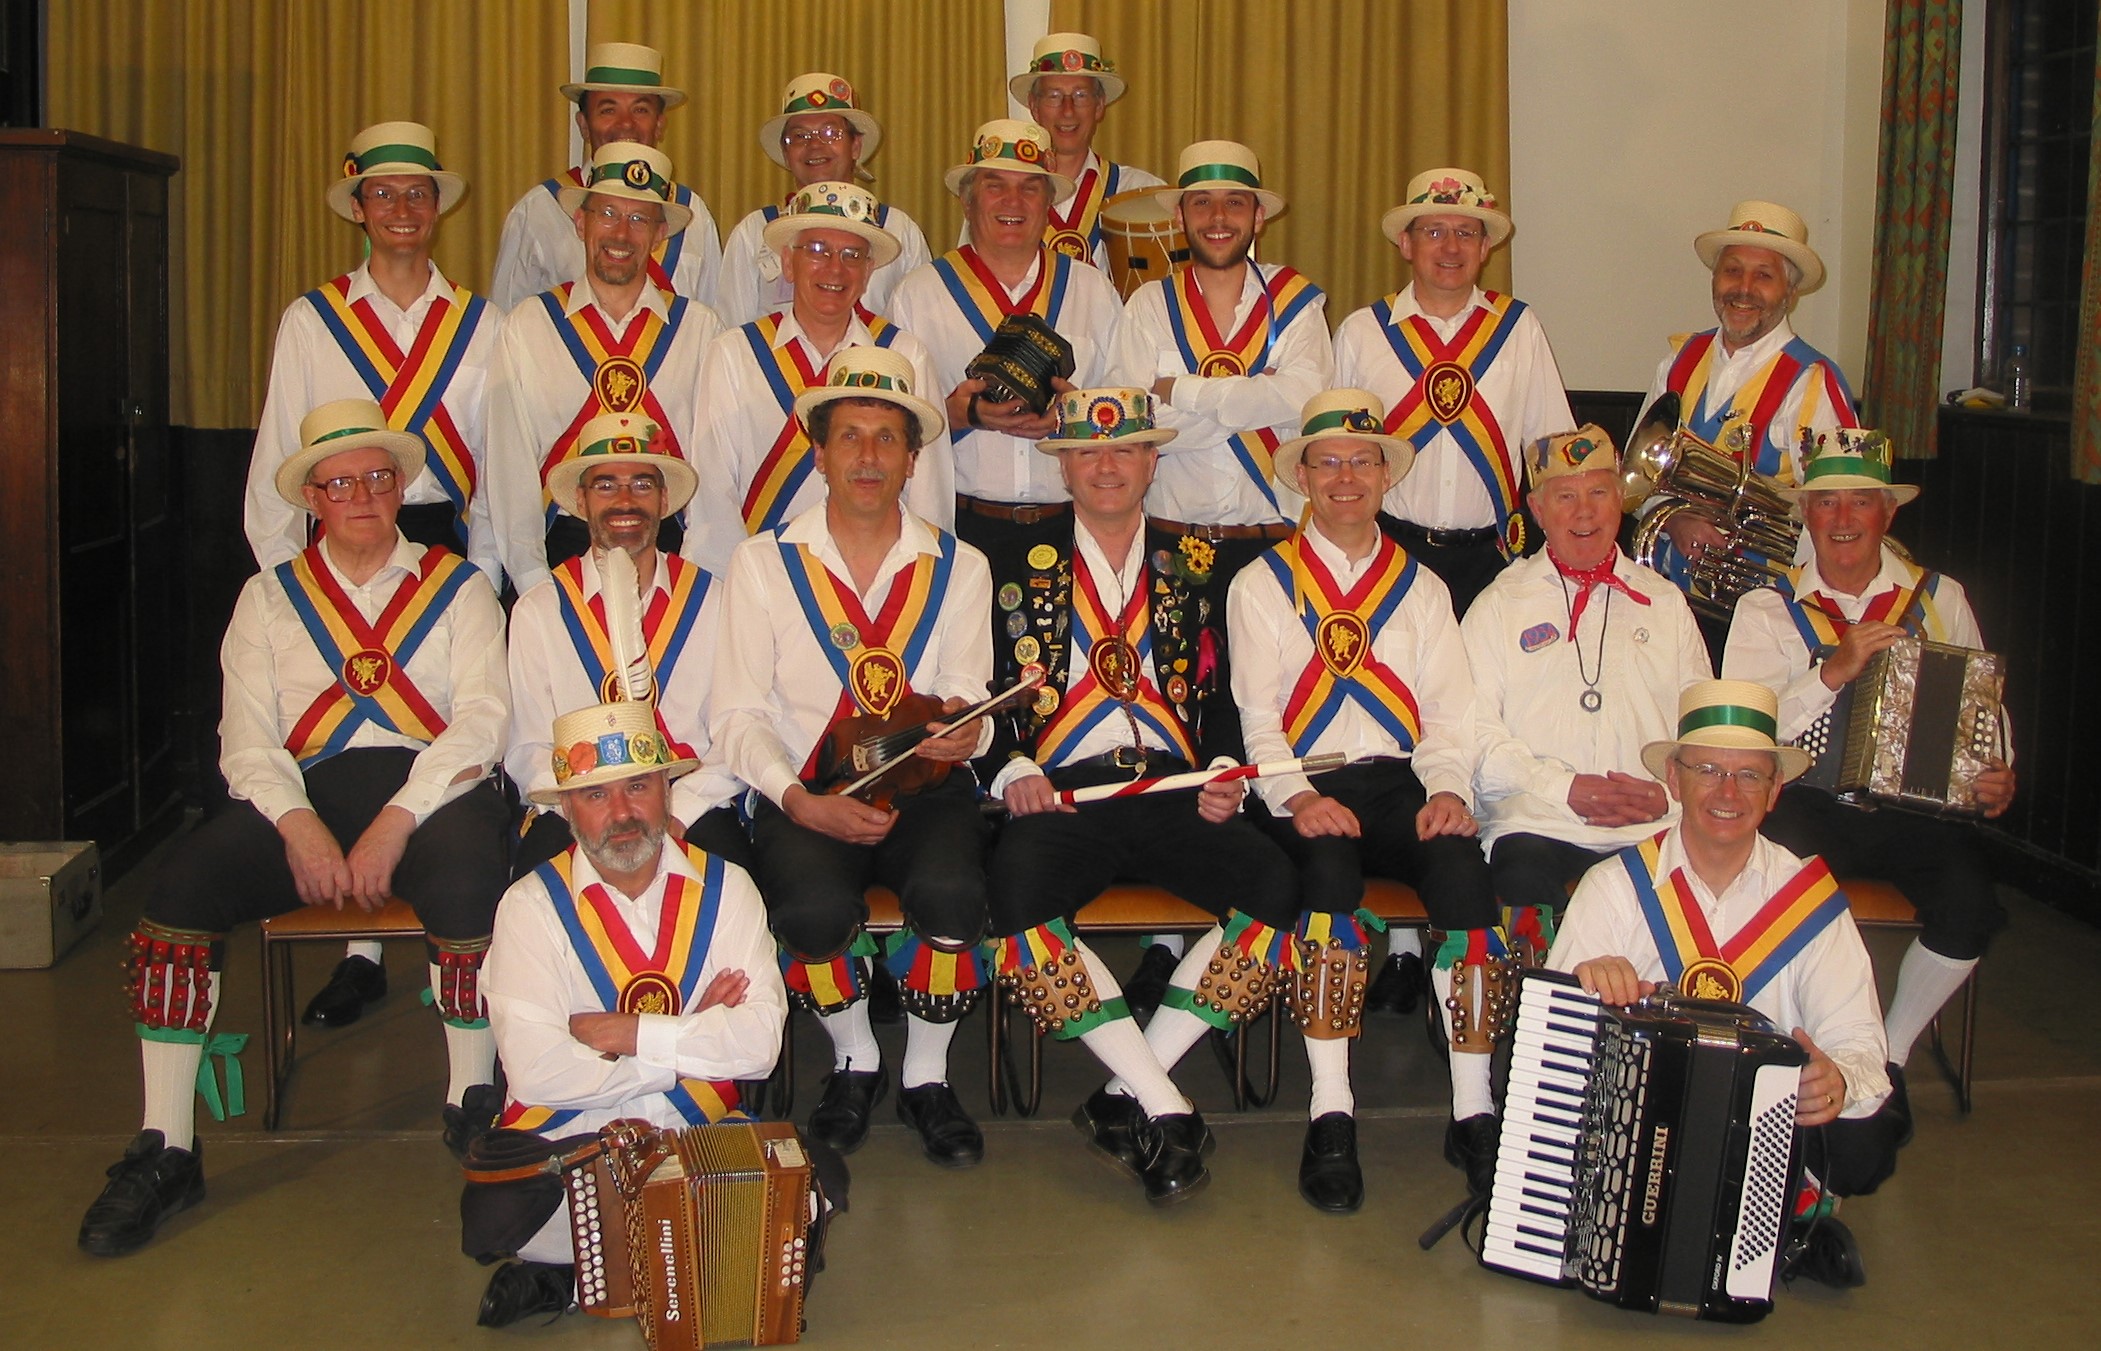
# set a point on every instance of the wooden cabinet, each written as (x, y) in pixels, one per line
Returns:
(89, 576)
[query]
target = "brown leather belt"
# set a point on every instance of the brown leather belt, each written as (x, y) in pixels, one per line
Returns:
(1272, 532)
(1020, 513)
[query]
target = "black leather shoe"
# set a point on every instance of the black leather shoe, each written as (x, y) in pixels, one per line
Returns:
(475, 1114)
(1172, 1162)
(521, 1289)
(1397, 986)
(841, 1116)
(354, 983)
(1329, 1177)
(883, 1004)
(146, 1186)
(1471, 1145)
(1824, 1251)
(946, 1132)
(1112, 1122)
(1148, 984)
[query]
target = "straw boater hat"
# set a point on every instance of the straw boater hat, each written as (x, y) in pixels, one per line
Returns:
(346, 424)
(1578, 452)
(1009, 143)
(1447, 192)
(606, 743)
(625, 68)
(833, 206)
(1765, 225)
(632, 172)
(1736, 715)
(1092, 417)
(1346, 414)
(1068, 54)
(621, 438)
(1221, 164)
(1850, 457)
(819, 92)
(393, 148)
(872, 373)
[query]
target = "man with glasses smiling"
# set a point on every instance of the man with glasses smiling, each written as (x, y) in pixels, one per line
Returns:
(821, 135)
(1068, 88)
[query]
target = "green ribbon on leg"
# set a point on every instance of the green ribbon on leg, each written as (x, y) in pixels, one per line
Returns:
(227, 1046)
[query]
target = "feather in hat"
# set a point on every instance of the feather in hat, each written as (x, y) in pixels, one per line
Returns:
(623, 622)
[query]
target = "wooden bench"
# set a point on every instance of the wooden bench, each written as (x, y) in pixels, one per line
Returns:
(310, 924)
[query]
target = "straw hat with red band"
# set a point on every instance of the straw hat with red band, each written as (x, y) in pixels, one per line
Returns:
(346, 424)
(1068, 54)
(632, 172)
(819, 92)
(1447, 192)
(1014, 145)
(1734, 715)
(624, 68)
(607, 743)
(1765, 225)
(393, 148)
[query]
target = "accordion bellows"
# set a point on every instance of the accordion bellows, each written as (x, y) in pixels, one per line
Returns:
(1914, 730)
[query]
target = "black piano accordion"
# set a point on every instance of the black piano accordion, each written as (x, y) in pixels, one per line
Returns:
(700, 1234)
(1913, 730)
(1020, 362)
(1648, 1154)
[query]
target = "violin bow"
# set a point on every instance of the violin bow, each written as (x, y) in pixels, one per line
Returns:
(1031, 677)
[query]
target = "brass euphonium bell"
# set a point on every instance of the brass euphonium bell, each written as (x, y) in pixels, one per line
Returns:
(1716, 482)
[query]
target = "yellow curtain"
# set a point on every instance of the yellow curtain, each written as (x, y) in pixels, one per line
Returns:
(1344, 100)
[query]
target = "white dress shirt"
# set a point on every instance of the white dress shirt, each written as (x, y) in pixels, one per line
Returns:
(273, 673)
(1727, 373)
(1529, 678)
(540, 249)
(1827, 989)
(750, 283)
(1419, 641)
(537, 393)
(740, 419)
(1522, 387)
(992, 465)
(308, 369)
(775, 689)
(548, 680)
(1200, 478)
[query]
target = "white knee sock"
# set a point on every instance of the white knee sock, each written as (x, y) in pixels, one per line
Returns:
(1471, 1095)
(1120, 1045)
(853, 1037)
(1400, 941)
(1924, 982)
(470, 1052)
(1329, 1059)
(369, 950)
(1174, 943)
(926, 1052)
(169, 1072)
(1173, 1031)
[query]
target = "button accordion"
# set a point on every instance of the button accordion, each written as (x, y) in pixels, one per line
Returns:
(1647, 1154)
(1913, 730)
(700, 1234)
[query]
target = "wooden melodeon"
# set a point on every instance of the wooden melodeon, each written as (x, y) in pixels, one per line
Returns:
(1914, 730)
(700, 1234)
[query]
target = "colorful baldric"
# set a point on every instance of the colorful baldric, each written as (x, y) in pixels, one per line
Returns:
(1077, 231)
(663, 259)
(1090, 699)
(1822, 628)
(983, 301)
(1758, 401)
(621, 372)
(1738, 969)
(1343, 628)
(666, 623)
(1208, 354)
(771, 497)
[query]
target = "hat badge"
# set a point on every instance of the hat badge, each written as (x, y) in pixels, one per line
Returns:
(637, 173)
(1577, 450)
(842, 91)
(1360, 420)
(350, 166)
(989, 147)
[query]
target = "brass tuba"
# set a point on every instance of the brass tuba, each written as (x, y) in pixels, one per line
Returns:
(1689, 474)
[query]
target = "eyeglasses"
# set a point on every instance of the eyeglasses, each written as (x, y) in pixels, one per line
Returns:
(1361, 464)
(378, 483)
(1075, 98)
(639, 220)
(607, 487)
(416, 196)
(831, 134)
(1711, 776)
(1437, 234)
(817, 251)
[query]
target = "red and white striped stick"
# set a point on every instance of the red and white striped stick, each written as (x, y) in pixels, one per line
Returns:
(1197, 778)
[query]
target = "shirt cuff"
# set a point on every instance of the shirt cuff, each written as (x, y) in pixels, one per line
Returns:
(1015, 768)
(656, 1040)
(775, 781)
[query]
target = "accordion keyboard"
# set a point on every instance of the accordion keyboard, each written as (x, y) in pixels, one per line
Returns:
(1540, 1147)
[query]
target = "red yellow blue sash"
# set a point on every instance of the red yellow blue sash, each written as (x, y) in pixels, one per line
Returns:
(1758, 401)
(663, 259)
(411, 389)
(1446, 395)
(1089, 700)
(666, 624)
(1738, 969)
(1343, 628)
(627, 979)
(788, 464)
(370, 660)
(1285, 293)
(619, 371)
(984, 302)
(1076, 231)
(1822, 627)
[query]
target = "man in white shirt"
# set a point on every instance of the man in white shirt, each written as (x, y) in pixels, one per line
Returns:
(821, 135)
(607, 341)
(622, 97)
(589, 1034)
(756, 467)
(1467, 377)
(858, 613)
(1811, 635)
(1713, 878)
(365, 701)
(1068, 88)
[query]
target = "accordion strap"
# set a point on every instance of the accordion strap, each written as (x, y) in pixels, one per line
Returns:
(504, 1155)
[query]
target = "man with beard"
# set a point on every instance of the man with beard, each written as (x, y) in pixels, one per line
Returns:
(1068, 88)
(608, 341)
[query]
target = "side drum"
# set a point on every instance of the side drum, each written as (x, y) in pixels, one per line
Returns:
(1144, 244)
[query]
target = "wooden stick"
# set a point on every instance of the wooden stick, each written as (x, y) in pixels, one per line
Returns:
(1198, 778)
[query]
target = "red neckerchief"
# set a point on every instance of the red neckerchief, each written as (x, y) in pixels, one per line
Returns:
(1585, 579)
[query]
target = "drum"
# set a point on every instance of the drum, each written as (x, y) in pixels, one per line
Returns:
(1143, 241)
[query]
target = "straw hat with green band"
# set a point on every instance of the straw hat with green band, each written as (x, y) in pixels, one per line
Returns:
(1735, 715)
(1011, 144)
(1447, 192)
(1346, 414)
(393, 148)
(873, 373)
(1093, 417)
(1850, 457)
(346, 424)
(632, 172)
(622, 438)
(606, 743)
(1068, 54)
(624, 68)
(833, 206)
(1221, 164)
(819, 92)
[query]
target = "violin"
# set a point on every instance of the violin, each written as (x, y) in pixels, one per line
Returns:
(870, 756)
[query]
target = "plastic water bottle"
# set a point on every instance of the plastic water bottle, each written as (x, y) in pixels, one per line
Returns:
(2016, 373)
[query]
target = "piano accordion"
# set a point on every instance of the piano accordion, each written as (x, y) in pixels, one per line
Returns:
(1647, 1154)
(1913, 730)
(700, 1234)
